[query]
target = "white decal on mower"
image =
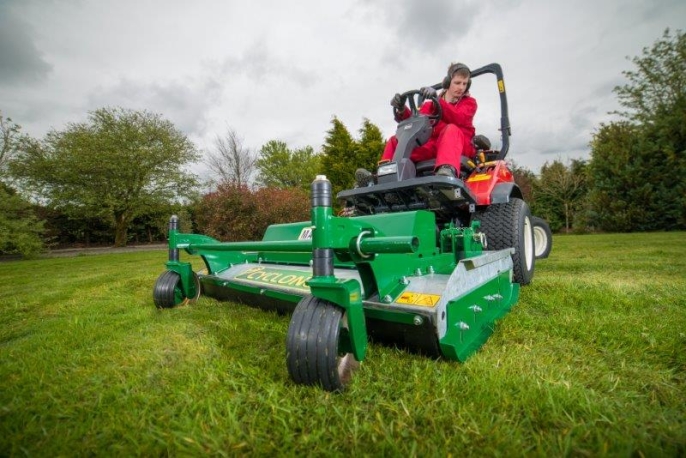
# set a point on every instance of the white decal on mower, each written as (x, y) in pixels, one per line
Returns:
(305, 234)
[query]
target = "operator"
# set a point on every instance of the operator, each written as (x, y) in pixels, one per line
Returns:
(453, 133)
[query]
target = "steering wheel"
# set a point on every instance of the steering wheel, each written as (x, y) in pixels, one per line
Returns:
(414, 110)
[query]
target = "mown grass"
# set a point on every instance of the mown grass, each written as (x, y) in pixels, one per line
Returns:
(591, 361)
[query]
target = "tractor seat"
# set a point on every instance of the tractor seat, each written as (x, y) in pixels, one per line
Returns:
(480, 142)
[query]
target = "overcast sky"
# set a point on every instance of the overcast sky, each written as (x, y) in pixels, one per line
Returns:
(282, 69)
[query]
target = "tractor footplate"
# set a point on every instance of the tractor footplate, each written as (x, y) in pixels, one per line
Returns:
(442, 195)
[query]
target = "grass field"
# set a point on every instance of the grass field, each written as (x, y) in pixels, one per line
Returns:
(591, 361)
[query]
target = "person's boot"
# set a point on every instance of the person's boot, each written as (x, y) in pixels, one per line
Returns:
(446, 171)
(363, 178)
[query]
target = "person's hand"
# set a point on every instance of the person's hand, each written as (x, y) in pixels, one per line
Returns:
(428, 92)
(398, 102)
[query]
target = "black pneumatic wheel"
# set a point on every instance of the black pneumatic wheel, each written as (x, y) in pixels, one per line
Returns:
(313, 353)
(168, 293)
(543, 237)
(509, 225)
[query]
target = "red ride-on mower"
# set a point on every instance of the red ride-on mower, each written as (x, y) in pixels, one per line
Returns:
(428, 263)
(486, 191)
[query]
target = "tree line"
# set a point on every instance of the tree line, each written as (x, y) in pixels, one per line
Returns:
(118, 176)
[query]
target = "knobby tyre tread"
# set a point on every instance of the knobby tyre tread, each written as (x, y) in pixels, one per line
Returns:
(505, 227)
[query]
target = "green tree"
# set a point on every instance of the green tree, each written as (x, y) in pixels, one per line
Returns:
(116, 166)
(616, 199)
(339, 159)
(281, 167)
(20, 230)
(370, 145)
(645, 188)
(658, 84)
(560, 192)
(342, 154)
(526, 180)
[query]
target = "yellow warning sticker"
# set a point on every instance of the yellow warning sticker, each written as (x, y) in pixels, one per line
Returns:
(425, 300)
(479, 177)
(501, 86)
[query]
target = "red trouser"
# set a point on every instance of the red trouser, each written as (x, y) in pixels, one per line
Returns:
(447, 148)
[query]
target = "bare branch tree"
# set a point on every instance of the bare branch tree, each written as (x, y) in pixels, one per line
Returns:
(231, 161)
(9, 137)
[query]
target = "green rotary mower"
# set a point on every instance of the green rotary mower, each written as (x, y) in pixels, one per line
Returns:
(423, 262)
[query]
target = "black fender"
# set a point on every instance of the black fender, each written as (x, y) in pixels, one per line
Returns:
(502, 192)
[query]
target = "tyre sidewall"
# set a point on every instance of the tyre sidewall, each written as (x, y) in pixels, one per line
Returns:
(542, 234)
(509, 225)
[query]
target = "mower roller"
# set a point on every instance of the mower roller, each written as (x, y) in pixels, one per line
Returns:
(423, 262)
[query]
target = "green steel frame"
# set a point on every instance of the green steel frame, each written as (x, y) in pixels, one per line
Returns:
(385, 250)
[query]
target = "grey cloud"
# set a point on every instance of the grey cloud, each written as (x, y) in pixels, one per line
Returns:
(606, 88)
(20, 60)
(258, 65)
(428, 25)
(184, 104)
(651, 10)
(570, 137)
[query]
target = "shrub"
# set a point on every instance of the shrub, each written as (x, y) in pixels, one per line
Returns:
(234, 213)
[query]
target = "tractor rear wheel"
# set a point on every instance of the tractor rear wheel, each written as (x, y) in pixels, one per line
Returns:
(168, 292)
(543, 237)
(509, 225)
(314, 354)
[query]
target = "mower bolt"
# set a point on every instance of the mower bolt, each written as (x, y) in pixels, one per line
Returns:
(431, 270)
(463, 327)
(387, 299)
(262, 291)
(417, 320)
(259, 260)
(404, 280)
(475, 308)
(418, 272)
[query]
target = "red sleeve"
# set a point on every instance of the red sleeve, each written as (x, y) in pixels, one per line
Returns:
(460, 114)
(427, 108)
(404, 115)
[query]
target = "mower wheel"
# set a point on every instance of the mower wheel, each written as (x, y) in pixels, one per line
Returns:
(313, 352)
(543, 237)
(509, 225)
(168, 292)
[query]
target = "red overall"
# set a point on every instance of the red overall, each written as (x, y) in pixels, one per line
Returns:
(452, 136)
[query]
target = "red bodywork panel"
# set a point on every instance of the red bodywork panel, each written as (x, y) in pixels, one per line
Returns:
(482, 183)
